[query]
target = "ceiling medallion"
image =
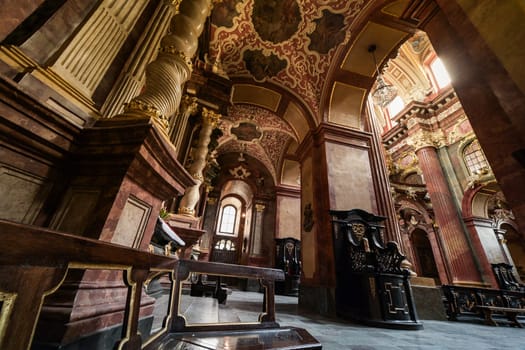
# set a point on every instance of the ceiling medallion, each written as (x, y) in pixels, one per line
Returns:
(262, 66)
(276, 21)
(240, 172)
(329, 32)
(246, 131)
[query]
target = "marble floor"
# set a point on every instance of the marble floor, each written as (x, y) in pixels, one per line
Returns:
(337, 334)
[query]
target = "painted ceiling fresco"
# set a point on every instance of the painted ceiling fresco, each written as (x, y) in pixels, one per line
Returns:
(287, 42)
(257, 132)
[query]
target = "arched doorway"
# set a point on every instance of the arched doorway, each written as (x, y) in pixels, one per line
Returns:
(423, 254)
(231, 225)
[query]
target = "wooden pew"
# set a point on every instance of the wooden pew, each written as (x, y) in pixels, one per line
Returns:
(509, 312)
(471, 302)
(34, 262)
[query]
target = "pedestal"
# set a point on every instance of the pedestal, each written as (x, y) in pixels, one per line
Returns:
(122, 172)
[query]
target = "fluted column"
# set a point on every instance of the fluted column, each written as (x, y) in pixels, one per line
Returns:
(87, 57)
(462, 268)
(165, 76)
(132, 80)
(192, 194)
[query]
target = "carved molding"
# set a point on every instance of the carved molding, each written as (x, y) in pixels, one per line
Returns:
(422, 139)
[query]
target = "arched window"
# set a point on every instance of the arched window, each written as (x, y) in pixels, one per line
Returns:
(441, 77)
(474, 158)
(395, 107)
(229, 214)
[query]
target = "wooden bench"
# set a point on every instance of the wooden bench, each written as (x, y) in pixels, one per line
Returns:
(483, 302)
(509, 312)
(34, 263)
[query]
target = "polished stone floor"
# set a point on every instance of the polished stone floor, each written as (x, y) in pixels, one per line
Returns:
(337, 334)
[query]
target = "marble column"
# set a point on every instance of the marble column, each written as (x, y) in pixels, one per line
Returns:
(164, 76)
(257, 230)
(462, 267)
(200, 155)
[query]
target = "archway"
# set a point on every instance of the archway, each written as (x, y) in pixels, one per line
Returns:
(426, 265)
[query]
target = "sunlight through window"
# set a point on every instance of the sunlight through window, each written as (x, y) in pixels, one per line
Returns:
(440, 73)
(395, 106)
(228, 219)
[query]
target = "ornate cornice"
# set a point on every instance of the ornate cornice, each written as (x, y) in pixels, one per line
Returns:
(422, 139)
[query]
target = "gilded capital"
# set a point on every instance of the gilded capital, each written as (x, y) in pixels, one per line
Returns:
(423, 139)
(189, 104)
(187, 211)
(140, 107)
(259, 207)
(175, 4)
(210, 117)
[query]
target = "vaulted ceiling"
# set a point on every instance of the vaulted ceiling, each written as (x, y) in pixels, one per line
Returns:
(297, 63)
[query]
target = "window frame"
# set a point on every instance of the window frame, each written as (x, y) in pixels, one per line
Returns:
(433, 76)
(232, 223)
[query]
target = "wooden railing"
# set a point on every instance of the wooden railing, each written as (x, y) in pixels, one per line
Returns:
(34, 263)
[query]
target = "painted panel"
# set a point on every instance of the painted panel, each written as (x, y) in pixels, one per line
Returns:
(297, 121)
(22, 195)
(289, 213)
(132, 222)
(75, 210)
(346, 104)
(359, 60)
(350, 178)
(259, 96)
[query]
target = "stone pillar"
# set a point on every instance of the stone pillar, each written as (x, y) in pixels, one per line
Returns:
(486, 84)
(188, 106)
(385, 203)
(192, 194)
(461, 265)
(165, 76)
(98, 40)
(258, 220)
(132, 80)
(117, 198)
